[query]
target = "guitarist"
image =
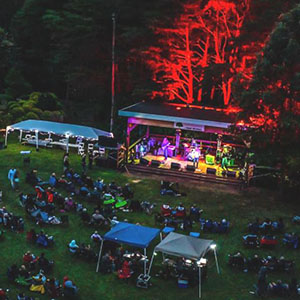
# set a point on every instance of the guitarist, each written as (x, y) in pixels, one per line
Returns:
(164, 145)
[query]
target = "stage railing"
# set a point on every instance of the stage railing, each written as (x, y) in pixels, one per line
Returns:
(121, 156)
(203, 143)
(131, 153)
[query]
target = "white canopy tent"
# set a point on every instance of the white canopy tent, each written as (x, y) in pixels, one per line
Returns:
(63, 129)
(185, 246)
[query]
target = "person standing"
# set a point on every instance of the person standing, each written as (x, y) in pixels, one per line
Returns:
(91, 160)
(11, 176)
(164, 145)
(83, 163)
(66, 161)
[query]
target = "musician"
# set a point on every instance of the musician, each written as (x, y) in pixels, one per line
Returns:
(194, 143)
(164, 145)
(196, 157)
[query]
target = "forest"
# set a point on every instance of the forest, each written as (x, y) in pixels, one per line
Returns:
(56, 61)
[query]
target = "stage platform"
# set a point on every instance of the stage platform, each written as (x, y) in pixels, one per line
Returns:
(202, 172)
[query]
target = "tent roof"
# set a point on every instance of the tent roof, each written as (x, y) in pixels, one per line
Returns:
(131, 234)
(61, 128)
(182, 245)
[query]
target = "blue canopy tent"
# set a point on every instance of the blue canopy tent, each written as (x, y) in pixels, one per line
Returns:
(130, 234)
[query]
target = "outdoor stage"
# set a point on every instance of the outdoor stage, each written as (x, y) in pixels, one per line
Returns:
(202, 172)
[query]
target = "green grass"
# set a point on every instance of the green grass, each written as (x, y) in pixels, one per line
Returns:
(216, 201)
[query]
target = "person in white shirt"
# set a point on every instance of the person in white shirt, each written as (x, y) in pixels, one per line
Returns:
(96, 237)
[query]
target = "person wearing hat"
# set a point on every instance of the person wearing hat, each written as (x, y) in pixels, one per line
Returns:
(73, 247)
(96, 237)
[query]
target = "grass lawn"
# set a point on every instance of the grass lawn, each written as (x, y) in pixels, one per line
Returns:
(217, 203)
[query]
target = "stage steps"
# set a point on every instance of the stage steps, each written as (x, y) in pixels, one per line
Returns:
(172, 175)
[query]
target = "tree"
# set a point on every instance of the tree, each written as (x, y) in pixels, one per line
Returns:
(16, 85)
(271, 103)
(202, 37)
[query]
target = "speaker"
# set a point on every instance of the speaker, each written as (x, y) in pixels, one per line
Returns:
(144, 161)
(155, 163)
(175, 166)
(231, 174)
(211, 171)
(190, 168)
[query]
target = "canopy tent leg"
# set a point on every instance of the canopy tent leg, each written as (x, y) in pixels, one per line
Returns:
(20, 137)
(163, 255)
(37, 140)
(216, 259)
(99, 256)
(67, 145)
(145, 262)
(6, 135)
(151, 262)
(200, 283)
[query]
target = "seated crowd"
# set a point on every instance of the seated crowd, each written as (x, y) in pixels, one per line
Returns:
(265, 227)
(254, 263)
(11, 221)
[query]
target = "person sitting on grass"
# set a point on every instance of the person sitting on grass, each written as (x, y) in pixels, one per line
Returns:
(254, 227)
(195, 213)
(127, 192)
(99, 184)
(53, 180)
(125, 272)
(69, 204)
(53, 288)
(108, 263)
(21, 296)
(278, 288)
(87, 252)
(38, 283)
(278, 225)
(44, 263)
(70, 289)
(85, 216)
(50, 195)
(97, 218)
(29, 259)
(44, 240)
(166, 210)
(166, 188)
(266, 225)
(3, 294)
(73, 247)
(95, 195)
(180, 211)
(84, 191)
(291, 240)
(23, 276)
(96, 237)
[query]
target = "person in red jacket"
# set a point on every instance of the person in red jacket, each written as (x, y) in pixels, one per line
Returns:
(166, 210)
(180, 211)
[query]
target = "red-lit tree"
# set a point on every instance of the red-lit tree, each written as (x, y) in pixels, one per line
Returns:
(202, 36)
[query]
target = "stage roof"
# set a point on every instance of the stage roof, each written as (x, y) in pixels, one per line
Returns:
(60, 129)
(186, 117)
